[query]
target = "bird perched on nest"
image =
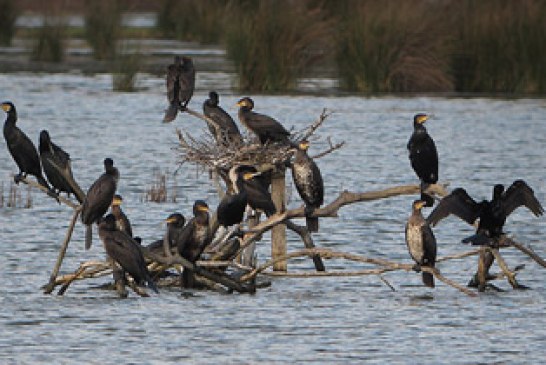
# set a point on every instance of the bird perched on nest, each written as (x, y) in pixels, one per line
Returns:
(421, 242)
(98, 198)
(423, 156)
(492, 214)
(180, 85)
(22, 149)
(266, 128)
(308, 181)
(57, 167)
(225, 132)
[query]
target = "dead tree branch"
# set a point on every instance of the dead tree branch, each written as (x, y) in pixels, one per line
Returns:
(61, 199)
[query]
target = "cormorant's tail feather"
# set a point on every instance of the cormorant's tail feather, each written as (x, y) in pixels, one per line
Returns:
(428, 279)
(312, 224)
(88, 236)
(170, 113)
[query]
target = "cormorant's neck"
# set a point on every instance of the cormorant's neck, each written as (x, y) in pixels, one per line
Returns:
(12, 118)
(419, 127)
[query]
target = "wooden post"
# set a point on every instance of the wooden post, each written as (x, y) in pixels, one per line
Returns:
(278, 233)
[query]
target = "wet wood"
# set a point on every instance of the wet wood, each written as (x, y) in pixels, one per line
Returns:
(278, 232)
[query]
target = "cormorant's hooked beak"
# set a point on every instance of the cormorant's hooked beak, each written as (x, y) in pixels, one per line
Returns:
(6, 107)
(203, 208)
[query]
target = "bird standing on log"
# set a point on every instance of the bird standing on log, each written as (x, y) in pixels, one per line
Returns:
(226, 131)
(232, 207)
(421, 242)
(122, 222)
(423, 156)
(175, 225)
(57, 167)
(195, 236)
(125, 251)
(22, 149)
(308, 181)
(256, 190)
(266, 128)
(98, 198)
(180, 85)
(491, 214)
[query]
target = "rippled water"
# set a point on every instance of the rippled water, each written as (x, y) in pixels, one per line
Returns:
(321, 320)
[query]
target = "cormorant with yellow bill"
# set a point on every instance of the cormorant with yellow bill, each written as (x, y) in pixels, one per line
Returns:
(175, 225)
(232, 207)
(308, 181)
(98, 198)
(57, 167)
(195, 236)
(423, 156)
(421, 242)
(266, 128)
(22, 149)
(122, 222)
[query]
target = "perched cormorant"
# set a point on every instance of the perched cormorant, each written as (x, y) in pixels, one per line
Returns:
(98, 198)
(226, 131)
(195, 236)
(175, 225)
(22, 149)
(122, 222)
(423, 156)
(266, 128)
(125, 251)
(232, 207)
(57, 167)
(421, 242)
(180, 85)
(308, 181)
(256, 189)
(492, 214)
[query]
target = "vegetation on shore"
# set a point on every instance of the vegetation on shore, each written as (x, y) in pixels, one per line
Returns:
(494, 46)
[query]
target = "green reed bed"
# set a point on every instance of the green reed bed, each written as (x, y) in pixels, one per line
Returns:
(103, 27)
(8, 16)
(272, 43)
(49, 44)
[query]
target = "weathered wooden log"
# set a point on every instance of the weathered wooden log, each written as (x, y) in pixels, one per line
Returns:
(278, 232)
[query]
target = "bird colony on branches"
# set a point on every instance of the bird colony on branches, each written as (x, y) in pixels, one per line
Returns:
(208, 249)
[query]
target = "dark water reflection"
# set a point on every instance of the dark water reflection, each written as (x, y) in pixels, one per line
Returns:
(329, 320)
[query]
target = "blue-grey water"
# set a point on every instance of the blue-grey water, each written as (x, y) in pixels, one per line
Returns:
(481, 142)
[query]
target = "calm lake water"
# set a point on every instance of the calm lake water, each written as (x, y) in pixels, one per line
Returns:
(481, 142)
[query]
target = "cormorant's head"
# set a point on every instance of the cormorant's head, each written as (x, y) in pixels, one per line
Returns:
(420, 119)
(108, 162)
(200, 206)
(245, 102)
(419, 204)
(44, 137)
(303, 145)
(497, 191)
(249, 175)
(9, 108)
(176, 219)
(213, 97)
(187, 62)
(116, 201)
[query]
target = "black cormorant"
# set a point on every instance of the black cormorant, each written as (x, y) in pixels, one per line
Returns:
(22, 149)
(491, 214)
(125, 251)
(180, 85)
(175, 225)
(98, 198)
(423, 156)
(308, 181)
(195, 236)
(57, 167)
(421, 242)
(232, 207)
(258, 196)
(122, 222)
(266, 128)
(226, 131)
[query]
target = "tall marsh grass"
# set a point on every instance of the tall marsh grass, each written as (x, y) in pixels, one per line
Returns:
(126, 66)
(8, 16)
(103, 27)
(193, 20)
(272, 43)
(49, 44)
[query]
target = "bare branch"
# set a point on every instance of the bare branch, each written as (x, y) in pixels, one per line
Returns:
(61, 199)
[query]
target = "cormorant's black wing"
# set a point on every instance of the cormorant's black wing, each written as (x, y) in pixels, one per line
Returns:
(458, 203)
(185, 236)
(127, 254)
(520, 194)
(173, 73)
